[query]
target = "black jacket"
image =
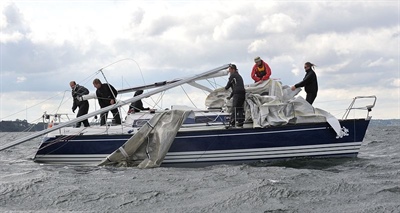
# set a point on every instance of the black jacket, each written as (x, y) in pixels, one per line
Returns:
(77, 92)
(137, 106)
(236, 83)
(105, 95)
(309, 82)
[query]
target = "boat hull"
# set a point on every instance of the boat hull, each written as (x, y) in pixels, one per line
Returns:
(202, 146)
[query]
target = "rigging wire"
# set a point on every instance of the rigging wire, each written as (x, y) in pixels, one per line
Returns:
(188, 96)
(29, 107)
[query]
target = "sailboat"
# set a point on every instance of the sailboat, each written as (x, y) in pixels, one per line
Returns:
(279, 125)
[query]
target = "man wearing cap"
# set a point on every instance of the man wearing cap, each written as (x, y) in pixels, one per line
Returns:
(261, 70)
(238, 94)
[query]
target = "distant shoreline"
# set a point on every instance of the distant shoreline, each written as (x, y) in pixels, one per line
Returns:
(385, 122)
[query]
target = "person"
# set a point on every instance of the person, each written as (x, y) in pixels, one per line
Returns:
(137, 105)
(261, 70)
(238, 94)
(106, 95)
(309, 83)
(77, 91)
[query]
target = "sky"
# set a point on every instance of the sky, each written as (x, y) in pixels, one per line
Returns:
(46, 44)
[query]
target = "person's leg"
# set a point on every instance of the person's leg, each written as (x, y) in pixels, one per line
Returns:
(311, 97)
(78, 124)
(235, 109)
(117, 118)
(103, 118)
(84, 109)
(240, 109)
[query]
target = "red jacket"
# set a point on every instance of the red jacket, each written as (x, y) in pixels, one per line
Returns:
(258, 76)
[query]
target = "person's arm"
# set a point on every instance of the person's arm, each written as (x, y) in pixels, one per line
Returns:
(74, 105)
(307, 79)
(114, 92)
(84, 91)
(253, 74)
(229, 84)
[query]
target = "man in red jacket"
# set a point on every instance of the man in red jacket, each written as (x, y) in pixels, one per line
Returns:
(261, 70)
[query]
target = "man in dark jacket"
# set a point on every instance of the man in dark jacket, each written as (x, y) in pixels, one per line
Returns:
(238, 94)
(78, 91)
(137, 106)
(106, 95)
(309, 83)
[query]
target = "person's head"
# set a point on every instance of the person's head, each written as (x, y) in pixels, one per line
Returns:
(97, 83)
(232, 68)
(139, 92)
(72, 84)
(308, 65)
(258, 60)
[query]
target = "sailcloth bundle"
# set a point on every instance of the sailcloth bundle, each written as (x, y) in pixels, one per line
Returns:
(147, 148)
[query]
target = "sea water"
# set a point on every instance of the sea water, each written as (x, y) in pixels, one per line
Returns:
(369, 183)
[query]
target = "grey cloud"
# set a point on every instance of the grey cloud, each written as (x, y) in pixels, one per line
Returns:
(15, 20)
(344, 16)
(200, 52)
(161, 24)
(27, 57)
(137, 17)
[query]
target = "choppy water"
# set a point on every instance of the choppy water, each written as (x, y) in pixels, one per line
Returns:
(369, 183)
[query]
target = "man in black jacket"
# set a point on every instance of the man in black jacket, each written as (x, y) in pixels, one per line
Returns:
(106, 95)
(309, 83)
(78, 91)
(238, 94)
(137, 106)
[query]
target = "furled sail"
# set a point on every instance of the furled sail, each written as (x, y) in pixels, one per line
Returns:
(147, 148)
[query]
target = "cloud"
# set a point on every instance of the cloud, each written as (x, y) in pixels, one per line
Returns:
(354, 44)
(21, 79)
(277, 23)
(13, 20)
(381, 62)
(395, 82)
(13, 26)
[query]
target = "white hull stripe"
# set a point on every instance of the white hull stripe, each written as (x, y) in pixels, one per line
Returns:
(351, 144)
(260, 157)
(208, 155)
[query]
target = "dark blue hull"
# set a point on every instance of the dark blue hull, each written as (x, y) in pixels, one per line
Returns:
(218, 146)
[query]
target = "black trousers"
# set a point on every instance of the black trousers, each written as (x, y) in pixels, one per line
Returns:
(116, 117)
(83, 110)
(310, 97)
(237, 109)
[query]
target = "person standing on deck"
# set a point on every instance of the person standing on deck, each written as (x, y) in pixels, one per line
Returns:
(238, 94)
(309, 83)
(77, 91)
(106, 95)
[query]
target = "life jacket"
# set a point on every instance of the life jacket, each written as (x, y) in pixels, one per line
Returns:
(261, 71)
